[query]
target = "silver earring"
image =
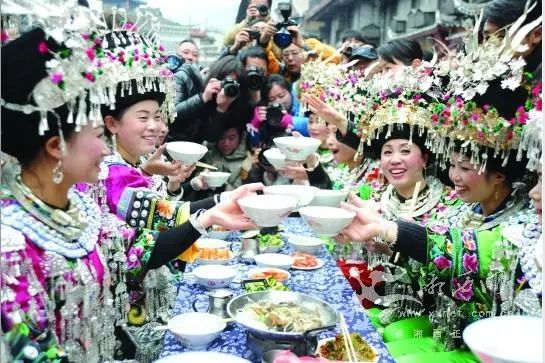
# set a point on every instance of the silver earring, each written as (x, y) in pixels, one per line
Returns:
(58, 175)
(114, 143)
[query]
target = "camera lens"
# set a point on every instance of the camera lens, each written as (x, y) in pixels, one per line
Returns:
(274, 114)
(282, 38)
(230, 87)
(173, 62)
(263, 10)
(255, 78)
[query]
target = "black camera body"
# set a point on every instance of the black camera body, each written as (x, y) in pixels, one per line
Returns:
(274, 114)
(263, 10)
(231, 88)
(255, 78)
(254, 34)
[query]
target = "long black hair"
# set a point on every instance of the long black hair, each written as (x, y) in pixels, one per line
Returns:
(403, 50)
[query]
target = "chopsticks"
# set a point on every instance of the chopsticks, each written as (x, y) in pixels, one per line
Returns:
(348, 345)
(206, 166)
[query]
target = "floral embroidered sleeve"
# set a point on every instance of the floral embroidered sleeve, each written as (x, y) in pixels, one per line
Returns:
(459, 262)
(141, 208)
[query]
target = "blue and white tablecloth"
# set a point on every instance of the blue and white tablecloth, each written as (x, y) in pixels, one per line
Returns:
(326, 283)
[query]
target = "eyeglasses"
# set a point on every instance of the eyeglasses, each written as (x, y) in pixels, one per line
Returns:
(291, 54)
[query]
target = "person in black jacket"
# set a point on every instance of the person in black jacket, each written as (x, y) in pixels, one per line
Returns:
(203, 110)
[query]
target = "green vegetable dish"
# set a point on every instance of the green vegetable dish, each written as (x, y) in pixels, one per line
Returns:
(335, 349)
(271, 284)
(270, 240)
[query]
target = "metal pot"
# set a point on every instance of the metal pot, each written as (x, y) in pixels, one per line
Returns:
(327, 313)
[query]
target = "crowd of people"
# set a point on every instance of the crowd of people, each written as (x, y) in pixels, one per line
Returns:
(440, 150)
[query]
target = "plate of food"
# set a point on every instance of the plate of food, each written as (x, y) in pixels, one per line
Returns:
(333, 349)
(215, 256)
(306, 261)
(264, 273)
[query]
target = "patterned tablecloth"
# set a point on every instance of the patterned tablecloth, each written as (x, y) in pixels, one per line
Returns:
(326, 283)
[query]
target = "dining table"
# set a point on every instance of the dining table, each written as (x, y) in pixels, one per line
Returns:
(326, 283)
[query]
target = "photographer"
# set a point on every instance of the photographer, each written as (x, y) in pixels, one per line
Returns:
(257, 9)
(202, 116)
(255, 63)
(279, 117)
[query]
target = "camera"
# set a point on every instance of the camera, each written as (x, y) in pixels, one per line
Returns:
(283, 38)
(263, 10)
(255, 78)
(231, 88)
(174, 62)
(254, 34)
(274, 114)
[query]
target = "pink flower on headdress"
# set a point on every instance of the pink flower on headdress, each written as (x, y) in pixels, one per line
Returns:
(486, 108)
(161, 48)
(146, 55)
(56, 78)
(510, 135)
(536, 91)
(4, 37)
(42, 47)
(475, 116)
(480, 135)
(417, 97)
(435, 118)
(128, 26)
(446, 113)
(148, 62)
(86, 36)
(89, 76)
(90, 53)
(522, 115)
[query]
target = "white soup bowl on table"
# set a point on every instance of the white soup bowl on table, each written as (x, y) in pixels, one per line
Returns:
(214, 276)
(196, 330)
(275, 260)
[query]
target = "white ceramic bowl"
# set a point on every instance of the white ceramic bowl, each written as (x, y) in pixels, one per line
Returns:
(196, 330)
(219, 234)
(210, 243)
(216, 179)
(329, 198)
(506, 339)
(326, 221)
(303, 193)
(214, 276)
(297, 148)
(276, 260)
(275, 157)
(267, 210)
(186, 152)
(202, 357)
(305, 244)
